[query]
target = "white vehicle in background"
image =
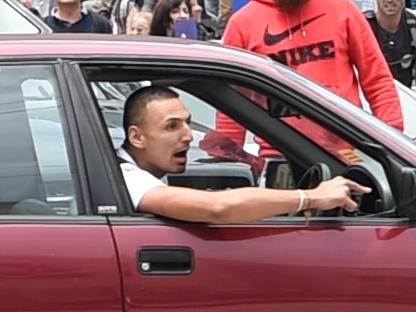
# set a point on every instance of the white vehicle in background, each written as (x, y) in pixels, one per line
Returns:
(16, 19)
(408, 104)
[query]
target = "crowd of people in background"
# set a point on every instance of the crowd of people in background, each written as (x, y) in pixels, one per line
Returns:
(199, 19)
(393, 26)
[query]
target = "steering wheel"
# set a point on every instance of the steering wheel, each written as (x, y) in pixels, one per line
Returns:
(312, 177)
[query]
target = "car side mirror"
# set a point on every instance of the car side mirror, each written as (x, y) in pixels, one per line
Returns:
(407, 195)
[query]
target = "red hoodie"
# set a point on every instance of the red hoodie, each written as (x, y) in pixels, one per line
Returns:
(322, 40)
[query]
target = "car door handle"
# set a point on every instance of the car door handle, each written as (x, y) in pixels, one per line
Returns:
(175, 260)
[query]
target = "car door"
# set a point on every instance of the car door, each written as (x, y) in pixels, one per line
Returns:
(337, 262)
(55, 254)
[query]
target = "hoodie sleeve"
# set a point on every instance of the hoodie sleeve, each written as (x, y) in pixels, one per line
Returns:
(224, 124)
(374, 74)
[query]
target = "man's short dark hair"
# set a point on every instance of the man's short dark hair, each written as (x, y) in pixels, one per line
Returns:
(136, 103)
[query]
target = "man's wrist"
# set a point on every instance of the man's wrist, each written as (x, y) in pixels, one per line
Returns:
(303, 201)
(312, 199)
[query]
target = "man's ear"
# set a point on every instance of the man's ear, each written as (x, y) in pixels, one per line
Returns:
(136, 137)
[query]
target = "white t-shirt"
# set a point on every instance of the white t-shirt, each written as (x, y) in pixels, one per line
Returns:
(138, 181)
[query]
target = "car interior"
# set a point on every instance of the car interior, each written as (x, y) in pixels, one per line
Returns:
(300, 158)
(35, 178)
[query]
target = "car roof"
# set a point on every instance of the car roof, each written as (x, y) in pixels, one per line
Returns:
(87, 45)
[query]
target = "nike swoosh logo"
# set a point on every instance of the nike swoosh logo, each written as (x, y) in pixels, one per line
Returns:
(270, 39)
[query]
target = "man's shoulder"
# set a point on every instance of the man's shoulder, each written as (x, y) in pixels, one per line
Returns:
(101, 23)
(49, 19)
(127, 163)
(55, 24)
(97, 16)
(133, 171)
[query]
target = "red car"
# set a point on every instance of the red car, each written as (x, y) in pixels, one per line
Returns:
(71, 241)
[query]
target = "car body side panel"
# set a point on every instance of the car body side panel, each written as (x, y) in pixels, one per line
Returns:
(58, 267)
(274, 268)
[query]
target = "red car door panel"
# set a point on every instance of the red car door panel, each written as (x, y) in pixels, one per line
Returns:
(58, 267)
(273, 267)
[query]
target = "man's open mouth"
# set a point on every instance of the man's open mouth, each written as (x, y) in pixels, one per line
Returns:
(181, 154)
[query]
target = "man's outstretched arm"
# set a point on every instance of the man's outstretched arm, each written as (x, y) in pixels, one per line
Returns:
(246, 204)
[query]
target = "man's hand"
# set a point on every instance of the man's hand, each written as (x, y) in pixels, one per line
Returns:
(335, 193)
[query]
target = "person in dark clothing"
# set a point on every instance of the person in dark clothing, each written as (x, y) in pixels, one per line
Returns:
(69, 16)
(392, 25)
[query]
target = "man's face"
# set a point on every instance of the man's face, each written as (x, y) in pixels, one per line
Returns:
(166, 136)
(390, 7)
(290, 4)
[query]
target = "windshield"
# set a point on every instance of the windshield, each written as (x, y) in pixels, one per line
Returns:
(398, 143)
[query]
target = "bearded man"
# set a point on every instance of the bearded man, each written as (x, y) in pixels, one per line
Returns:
(323, 40)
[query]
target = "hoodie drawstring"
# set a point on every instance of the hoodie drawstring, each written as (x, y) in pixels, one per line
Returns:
(302, 29)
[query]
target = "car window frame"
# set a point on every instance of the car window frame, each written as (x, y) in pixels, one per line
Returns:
(72, 134)
(242, 75)
(104, 179)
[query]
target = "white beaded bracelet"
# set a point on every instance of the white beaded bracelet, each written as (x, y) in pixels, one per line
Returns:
(303, 200)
